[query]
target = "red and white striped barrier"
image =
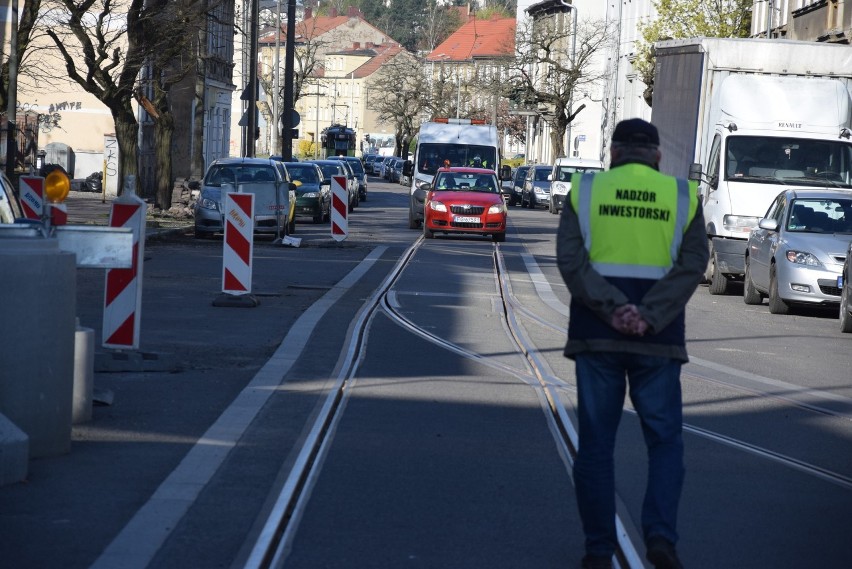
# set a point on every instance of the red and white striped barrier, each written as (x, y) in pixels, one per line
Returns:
(339, 208)
(238, 243)
(123, 291)
(31, 190)
(58, 213)
(33, 202)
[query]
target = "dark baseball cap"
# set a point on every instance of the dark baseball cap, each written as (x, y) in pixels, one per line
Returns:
(636, 131)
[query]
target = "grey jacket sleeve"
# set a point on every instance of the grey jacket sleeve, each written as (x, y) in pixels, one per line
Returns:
(665, 300)
(584, 282)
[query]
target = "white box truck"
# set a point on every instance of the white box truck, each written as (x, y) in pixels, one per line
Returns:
(450, 142)
(749, 118)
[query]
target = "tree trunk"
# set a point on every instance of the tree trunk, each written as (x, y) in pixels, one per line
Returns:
(127, 136)
(557, 136)
(163, 130)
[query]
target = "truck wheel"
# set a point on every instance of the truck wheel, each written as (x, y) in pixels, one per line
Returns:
(750, 294)
(776, 303)
(550, 207)
(845, 317)
(718, 281)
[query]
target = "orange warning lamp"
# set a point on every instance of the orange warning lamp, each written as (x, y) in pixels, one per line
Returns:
(56, 186)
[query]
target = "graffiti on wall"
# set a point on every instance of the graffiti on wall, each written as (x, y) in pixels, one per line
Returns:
(51, 119)
(111, 164)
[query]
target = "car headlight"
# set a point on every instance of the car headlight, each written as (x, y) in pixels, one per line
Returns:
(741, 223)
(437, 206)
(803, 258)
(309, 195)
(207, 203)
(497, 208)
(561, 188)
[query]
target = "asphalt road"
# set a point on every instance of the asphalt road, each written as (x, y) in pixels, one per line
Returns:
(437, 461)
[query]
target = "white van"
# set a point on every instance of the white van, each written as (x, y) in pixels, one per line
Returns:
(560, 178)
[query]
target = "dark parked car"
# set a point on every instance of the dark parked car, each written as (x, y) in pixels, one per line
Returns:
(368, 162)
(518, 184)
(336, 167)
(844, 282)
(360, 174)
(396, 174)
(387, 167)
(313, 193)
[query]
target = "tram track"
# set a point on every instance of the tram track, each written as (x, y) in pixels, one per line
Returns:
(271, 547)
(781, 392)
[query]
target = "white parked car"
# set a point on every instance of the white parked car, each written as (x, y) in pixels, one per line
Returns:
(560, 178)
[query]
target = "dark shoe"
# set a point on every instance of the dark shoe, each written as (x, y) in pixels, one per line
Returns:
(596, 562)
(661, 553)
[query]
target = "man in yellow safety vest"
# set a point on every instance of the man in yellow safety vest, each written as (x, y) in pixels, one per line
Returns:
(632, 249)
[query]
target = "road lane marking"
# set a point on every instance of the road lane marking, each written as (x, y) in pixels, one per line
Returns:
(141, 538)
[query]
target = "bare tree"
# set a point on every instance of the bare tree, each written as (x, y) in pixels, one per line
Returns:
(440, 22)
(307, 65)
(104, 47)
(553, 69)
(404, 98)
(28, 17)
(166, 67)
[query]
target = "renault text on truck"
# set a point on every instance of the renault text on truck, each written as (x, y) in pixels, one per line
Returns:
(452, 142)
(750, 118)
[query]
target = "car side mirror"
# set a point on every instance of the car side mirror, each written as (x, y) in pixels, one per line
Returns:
(294, 185)
(505, 172)
(325, 182)
(407, 168)
(695, 171)
(768, 224)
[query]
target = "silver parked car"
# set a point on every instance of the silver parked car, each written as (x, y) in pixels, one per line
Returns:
(796, 253)
(229, 173)
(536, 190)
(846, 293)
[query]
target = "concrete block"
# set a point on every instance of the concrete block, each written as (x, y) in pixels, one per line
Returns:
(14, 452)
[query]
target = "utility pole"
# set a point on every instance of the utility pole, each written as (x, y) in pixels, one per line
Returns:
(289, 57)
(276, 97)
(251, 119)
(12, 106)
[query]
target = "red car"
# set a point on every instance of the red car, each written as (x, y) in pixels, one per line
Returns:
(465, 200)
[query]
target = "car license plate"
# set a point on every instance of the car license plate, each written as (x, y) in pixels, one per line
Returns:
(463, 219)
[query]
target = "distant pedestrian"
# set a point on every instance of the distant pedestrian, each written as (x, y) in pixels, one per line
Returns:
(632, 249)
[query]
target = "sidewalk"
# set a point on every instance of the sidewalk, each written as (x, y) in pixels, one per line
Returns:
(89, 208)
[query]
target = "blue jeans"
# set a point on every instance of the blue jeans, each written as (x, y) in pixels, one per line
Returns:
(655, 392)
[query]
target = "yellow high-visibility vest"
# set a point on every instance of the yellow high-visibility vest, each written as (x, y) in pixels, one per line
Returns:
(632, 219)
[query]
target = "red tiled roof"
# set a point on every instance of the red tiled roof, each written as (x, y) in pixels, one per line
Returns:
(313, 27)
(478, 39)
(384, 53)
